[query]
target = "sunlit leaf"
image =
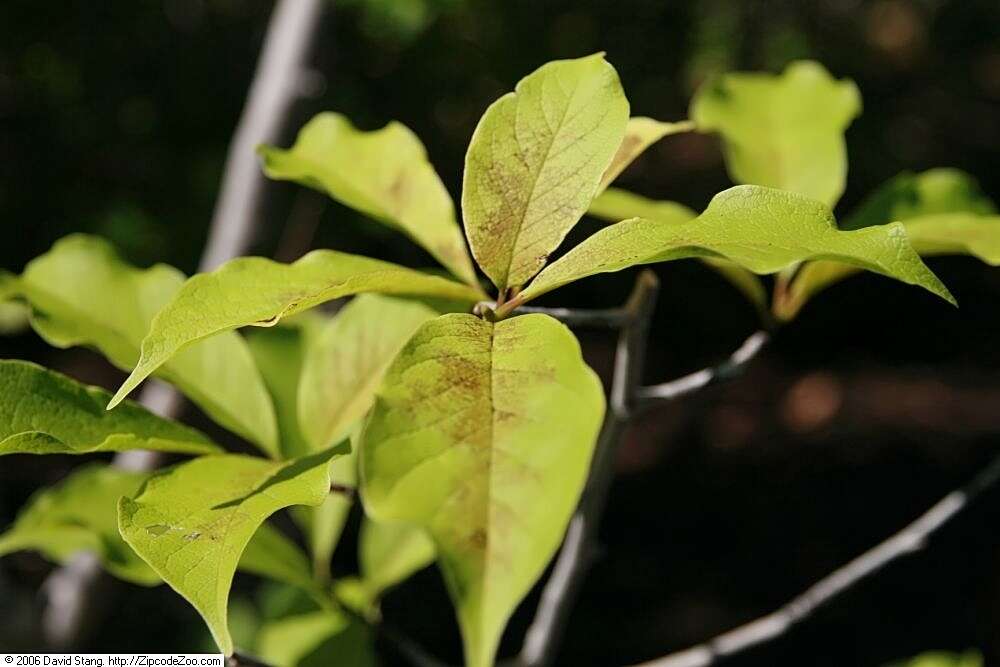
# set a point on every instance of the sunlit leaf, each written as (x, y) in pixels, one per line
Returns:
(615, 205)
(384, 174)
(78, 515)
(345, 363)
(784, 131)
(44, 412)
(192, 522)
(260, 292)
(760, 229)
(640, 134)
(943, 211)
(482, 434)
(82, 293)
(535, 163)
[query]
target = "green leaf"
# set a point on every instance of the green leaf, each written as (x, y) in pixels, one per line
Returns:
(316, 639)
(943, 211)
(640, 133)
(44, 412)
(482, 434)
(260, 292)
(192, 522)
(535, 163)
(760, 229)
(942, 659)
(784, 131)
(390, 552)
(346, 361)
(914, 195)
(271, 555)
(384, 174)
(324, 525)
(615, 205)
(82, 293)
(78, 515)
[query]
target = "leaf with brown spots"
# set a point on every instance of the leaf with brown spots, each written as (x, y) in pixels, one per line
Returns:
(535, 163)
(191, 523)
(482, 435)
(385, 174)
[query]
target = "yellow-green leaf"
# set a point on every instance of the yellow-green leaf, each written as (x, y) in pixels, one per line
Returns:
(192, 522)
(482, 434)
(390, 552)
(760, 229)
(535, 163)
(615, 205)
(44, 412)
(82, 293)
(316, 639)
(254, 291)
(384, 174)
(784, 131)
(640, 133)
(345, 363)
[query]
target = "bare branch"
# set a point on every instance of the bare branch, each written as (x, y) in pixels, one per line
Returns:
(560, 592)
(911, 539)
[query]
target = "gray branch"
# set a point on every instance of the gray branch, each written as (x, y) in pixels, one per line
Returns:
(281, 78)
(911, 539)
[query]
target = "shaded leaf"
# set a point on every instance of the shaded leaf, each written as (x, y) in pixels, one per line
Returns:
(44, 412)
(535, 163)
(192, 522)
(260, 292)
(82, 293)
(615, 205)
(384, 174)
(345, 363)
(271, 555)
(760, 229)
(390, 552)
(942, 659)
(453, 446)
(316, 639)
(323, 525)
(640, 133)
(78, 515)
(784, 131)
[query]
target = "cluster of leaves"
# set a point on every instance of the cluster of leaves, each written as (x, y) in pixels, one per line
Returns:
(469, 431)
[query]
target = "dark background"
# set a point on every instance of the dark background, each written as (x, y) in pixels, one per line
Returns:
(115, 118)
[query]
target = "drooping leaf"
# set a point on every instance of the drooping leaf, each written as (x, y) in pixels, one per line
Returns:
(260, 292)
(760, 229)
(911, 195)
(482, 435)
(384, 174)
(615, 205)
(640, 133)
(83, 293)
(44, 412)
(345, 364)
(79, 515)
(535, 163)
(784, 131)
(192, 522)
(316, 639)
(944, 213)
(390, 552)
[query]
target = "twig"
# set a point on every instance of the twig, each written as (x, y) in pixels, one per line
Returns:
(727, 370)
(559, 594)
(609, 318)
(911, 539)
(279, 81)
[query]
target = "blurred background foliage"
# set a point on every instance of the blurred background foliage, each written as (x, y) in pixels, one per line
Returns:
(115, 119)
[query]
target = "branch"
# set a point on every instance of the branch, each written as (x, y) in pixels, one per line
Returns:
(278, 83)
(727, 370)
(911, 539)
(560, 592)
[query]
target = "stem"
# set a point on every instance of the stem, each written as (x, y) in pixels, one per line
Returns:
(911, 539)
(278, 83)
(560, 592)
